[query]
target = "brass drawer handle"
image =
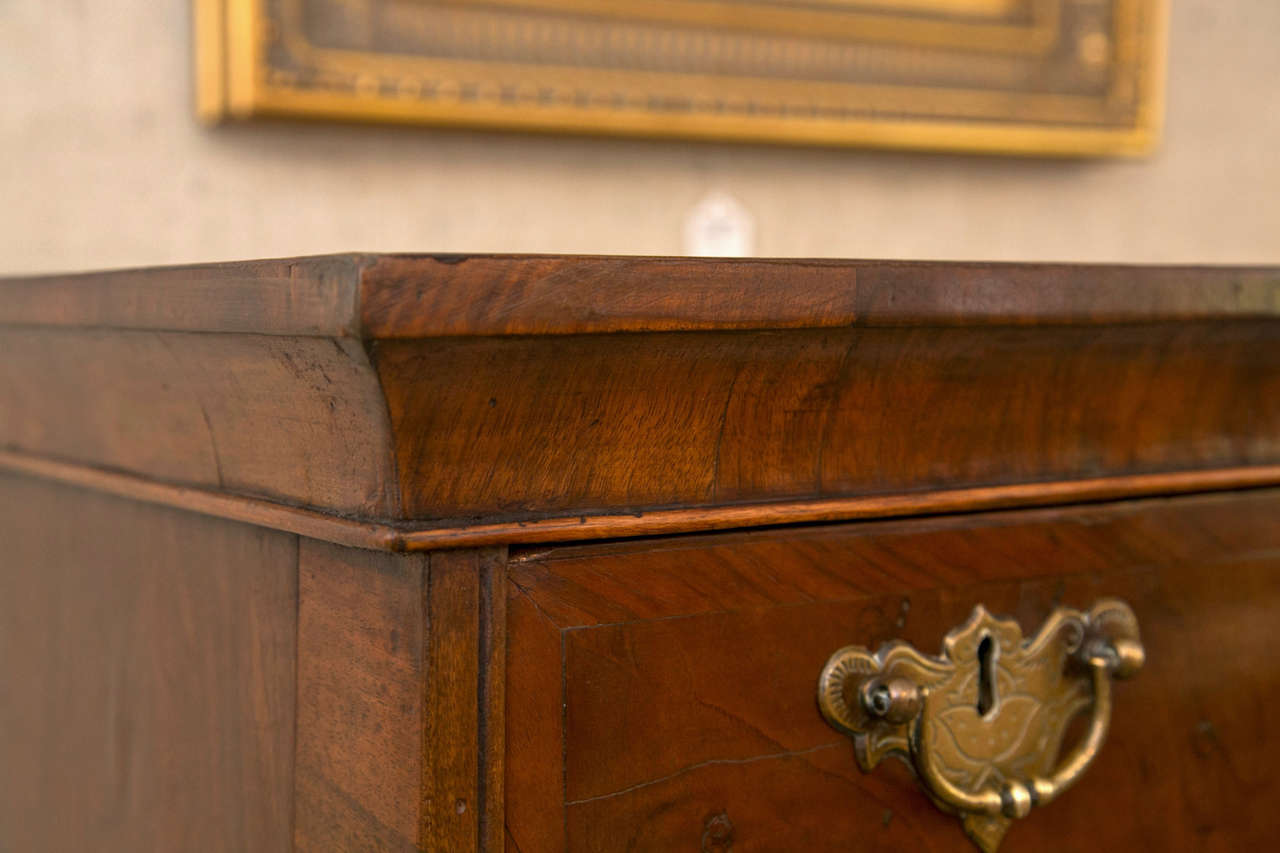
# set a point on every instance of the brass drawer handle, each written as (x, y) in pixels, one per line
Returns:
(983, 723)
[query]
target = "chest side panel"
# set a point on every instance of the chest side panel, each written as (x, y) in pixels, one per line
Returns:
(147, 665)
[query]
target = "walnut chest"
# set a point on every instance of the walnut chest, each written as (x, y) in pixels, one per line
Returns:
(593, 554)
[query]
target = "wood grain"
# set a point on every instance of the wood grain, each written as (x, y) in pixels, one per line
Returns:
(580, 424)
(390, 536)
(466, 679)
(146, 676)
(416, 296)
(361, 688)
(293, 296)
(400, 700)
(526, 388)
(1186, 754)
(177, 682)
(576, 586)
(690, 666)
(300, 420)
(534, 760)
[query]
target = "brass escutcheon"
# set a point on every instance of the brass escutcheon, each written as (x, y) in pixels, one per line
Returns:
(983, 724)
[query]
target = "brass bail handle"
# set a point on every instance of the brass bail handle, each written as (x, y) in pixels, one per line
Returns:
(974, 751)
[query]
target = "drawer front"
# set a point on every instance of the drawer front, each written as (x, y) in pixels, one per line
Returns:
(662, 693)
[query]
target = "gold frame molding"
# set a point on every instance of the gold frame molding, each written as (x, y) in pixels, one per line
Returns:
(1055, 77)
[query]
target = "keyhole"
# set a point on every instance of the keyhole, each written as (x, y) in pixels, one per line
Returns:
(986, 676)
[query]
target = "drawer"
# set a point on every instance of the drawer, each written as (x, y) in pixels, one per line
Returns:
(662, 693)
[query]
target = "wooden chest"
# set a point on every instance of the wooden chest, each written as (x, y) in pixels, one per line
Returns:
(549, 554)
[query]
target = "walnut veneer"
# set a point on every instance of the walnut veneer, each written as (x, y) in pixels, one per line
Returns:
(541, 553)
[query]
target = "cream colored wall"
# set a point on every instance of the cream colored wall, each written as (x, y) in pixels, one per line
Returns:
(102, 164)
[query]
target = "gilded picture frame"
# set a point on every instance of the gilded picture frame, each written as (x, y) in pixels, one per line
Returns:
(1055, 77)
